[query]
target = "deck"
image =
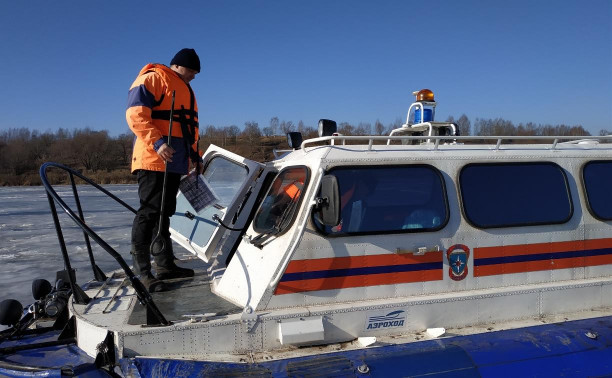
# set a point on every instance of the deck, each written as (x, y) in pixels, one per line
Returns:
(184, 298)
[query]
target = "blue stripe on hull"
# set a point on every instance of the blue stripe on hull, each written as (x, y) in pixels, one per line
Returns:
(541, 256)
(360, 271)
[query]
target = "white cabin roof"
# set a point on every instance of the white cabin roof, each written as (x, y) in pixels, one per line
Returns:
(371, 149)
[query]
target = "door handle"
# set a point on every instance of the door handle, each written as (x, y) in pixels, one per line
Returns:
(418, 251)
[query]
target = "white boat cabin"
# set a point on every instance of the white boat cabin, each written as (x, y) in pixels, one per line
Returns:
(429, 228)
(345, 237)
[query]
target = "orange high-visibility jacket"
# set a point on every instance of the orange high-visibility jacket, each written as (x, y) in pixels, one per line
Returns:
(148, 115)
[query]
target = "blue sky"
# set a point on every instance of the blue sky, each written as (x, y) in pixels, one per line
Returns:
(70, 63)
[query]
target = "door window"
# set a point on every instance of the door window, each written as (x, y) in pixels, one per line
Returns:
(225, 178)
(280, 204)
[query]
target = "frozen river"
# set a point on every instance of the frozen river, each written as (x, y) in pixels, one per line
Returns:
(29, 248)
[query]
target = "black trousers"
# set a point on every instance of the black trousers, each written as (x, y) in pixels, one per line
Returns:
(146, 221)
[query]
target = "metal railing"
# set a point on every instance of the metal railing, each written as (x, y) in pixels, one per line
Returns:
(434, 141)
(78, 294)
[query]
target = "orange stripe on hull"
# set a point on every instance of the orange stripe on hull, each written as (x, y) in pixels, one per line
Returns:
(299, 266)
(534, 266)
(533, 249)
(357, 281)
(598, 260)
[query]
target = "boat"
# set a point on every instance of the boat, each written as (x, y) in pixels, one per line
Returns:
(421, 252)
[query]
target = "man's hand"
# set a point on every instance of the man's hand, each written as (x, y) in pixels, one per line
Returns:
(166, 152)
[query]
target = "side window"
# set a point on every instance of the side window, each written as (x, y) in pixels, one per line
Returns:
(597, 179)
(280, 204)
(225, 178)
(389, 199)
(514, 194)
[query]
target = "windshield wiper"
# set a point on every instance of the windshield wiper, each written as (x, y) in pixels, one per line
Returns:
(239, 210)
(242, 204)
(260, 239)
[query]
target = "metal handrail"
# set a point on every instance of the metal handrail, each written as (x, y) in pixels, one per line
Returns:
(449, 138)
(142, 293)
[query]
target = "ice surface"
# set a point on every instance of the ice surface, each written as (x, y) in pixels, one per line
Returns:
(29, 248)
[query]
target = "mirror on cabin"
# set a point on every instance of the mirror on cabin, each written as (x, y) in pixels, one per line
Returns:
(328, 203)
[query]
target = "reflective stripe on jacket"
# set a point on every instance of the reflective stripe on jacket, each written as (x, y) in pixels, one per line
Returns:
(148, 115)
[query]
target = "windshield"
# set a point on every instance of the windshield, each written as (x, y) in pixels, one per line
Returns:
(389, 199)
(225, 178)
(278, 208)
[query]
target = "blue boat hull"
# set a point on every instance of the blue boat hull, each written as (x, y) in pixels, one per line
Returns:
(574, 348)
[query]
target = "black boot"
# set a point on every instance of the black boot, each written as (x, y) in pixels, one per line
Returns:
(142, 268)
(166, 268)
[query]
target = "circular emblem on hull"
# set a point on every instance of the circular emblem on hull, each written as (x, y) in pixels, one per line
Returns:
(458, 256)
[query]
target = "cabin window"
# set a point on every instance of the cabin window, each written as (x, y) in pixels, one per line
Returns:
(597, 179)
(389, 199)
(515, 194)
(282, 201)
(225, 178)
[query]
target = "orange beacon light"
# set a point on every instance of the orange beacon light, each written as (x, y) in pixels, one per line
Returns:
(424, 96)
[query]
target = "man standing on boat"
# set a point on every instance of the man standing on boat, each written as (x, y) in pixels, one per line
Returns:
(148, 115)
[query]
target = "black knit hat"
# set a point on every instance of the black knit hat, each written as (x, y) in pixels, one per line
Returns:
(187, 58)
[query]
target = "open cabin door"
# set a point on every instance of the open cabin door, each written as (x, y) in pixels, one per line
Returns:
(230, 178)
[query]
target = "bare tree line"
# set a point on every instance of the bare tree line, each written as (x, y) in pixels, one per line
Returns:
(107, 158)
